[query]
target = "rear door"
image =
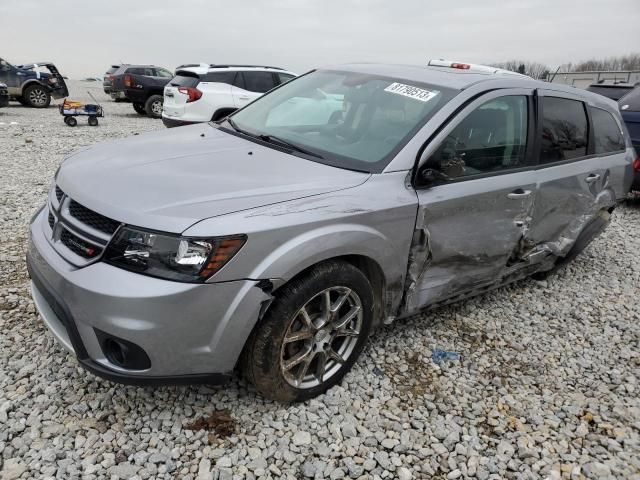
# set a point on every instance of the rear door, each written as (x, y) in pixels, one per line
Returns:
(476, 188)
(251, 84)
(9, 75)
(570, 176)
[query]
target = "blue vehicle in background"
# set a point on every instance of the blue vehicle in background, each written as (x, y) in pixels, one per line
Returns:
(630, 110)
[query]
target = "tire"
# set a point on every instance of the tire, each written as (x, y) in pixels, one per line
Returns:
(36, 96)
(269, 363)
(93, 121)
(139, 108)
(71, 121)
(153, 106)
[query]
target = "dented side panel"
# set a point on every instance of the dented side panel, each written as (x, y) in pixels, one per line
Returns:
(465, 236)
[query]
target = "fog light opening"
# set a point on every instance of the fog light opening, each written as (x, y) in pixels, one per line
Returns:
(122, 353)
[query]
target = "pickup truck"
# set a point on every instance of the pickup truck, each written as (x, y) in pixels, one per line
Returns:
(31, 86)
(143, 85)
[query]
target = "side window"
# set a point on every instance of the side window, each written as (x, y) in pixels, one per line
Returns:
(284, 78)
(161, 72)
(564, 130)
(239, 81)
(259, 82)
(135, 71)
(491, 138)
(606, 133)
(220, 77)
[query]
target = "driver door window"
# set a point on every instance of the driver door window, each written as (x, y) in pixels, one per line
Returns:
(490, 139)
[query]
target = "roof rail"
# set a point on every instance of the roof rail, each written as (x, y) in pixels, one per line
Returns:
(213, 65)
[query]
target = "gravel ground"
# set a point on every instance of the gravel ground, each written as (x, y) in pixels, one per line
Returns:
(544, 383)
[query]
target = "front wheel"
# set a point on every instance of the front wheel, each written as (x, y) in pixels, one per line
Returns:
(312, 334)
(153, 106)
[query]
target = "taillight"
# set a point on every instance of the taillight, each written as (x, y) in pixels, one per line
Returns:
(636, 164)
(193, 93)
(461, 66)
(128, 81)
(110, 77)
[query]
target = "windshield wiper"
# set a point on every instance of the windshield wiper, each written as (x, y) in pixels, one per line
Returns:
(275, 140)
(284, 143)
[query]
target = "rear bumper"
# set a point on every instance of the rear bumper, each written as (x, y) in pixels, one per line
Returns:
(170, 122)
(116, 94)
(635, 186)
(60, 92)
(190, 333)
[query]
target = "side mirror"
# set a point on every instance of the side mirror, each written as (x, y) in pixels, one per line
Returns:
(429, 176)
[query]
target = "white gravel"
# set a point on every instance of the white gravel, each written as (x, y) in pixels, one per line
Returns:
(546, 385)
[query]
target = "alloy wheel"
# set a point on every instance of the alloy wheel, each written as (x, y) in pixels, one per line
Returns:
(321, 337)
(37, 96)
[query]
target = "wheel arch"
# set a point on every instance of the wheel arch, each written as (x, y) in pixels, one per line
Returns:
(33, 81)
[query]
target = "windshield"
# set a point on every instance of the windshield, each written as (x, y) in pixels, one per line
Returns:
(346, 119)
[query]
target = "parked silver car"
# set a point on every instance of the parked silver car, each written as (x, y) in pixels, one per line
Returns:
(276, 241)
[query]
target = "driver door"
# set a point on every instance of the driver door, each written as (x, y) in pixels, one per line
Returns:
(476, 188)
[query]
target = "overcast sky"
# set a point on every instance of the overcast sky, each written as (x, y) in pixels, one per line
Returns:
(83, 37)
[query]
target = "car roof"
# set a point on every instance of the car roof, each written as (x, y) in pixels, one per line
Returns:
(459, 79)
(202, 68)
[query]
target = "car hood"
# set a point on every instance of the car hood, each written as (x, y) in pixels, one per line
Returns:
(171, 179)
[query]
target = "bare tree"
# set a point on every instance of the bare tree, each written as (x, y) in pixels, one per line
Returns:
(623, 62)
(533, 69)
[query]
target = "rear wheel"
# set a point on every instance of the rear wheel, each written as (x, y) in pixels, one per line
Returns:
(153, 106)
(36, 96)
(139, 108)
(312, 334)
(71, 121)
(93, 121)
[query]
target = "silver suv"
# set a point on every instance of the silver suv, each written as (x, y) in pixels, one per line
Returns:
(277, 240)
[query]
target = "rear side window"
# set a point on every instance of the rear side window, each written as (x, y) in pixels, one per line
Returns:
(564, 130)
(112, 70)
(141, 71)
(284, 77)
(631, 101)
(161, 72)
(606, 133)
(259, 82)
(219, 77)
(184, 80)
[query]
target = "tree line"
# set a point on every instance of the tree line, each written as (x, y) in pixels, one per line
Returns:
(542, 71)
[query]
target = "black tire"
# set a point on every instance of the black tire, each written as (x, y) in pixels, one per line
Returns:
(71, 121)
(36, 96)
(139, 108)
(153, 106)
(265, 350)
(93, 121)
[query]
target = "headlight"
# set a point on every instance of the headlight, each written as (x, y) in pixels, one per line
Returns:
(184, 259)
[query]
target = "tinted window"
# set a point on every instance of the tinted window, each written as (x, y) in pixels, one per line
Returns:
(607, 136)
(564, 130)
(146, 71)
(259, 82)
(219, 77)
(239, 80)
(631, 101)
(184, 80)
(112, 70)
(491, 138)
(284, 77)
(614, 92)
(161, 72)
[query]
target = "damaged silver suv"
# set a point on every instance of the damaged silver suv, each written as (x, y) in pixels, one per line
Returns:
(276, 241)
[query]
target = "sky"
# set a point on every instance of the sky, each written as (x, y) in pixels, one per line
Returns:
(84, 37)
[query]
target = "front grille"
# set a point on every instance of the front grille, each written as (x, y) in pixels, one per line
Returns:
(59, 193)
(78, 245)
(51, 220)
(91, 218)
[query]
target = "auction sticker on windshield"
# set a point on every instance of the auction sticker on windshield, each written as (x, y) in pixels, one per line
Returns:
(412, 92)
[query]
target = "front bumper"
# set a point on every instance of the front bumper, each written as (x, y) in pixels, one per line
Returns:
(191, 333)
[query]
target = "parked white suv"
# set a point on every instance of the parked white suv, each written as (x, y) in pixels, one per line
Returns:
(202, 93)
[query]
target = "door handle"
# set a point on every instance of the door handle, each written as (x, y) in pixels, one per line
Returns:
(518, 194)
(243, 97)
(592, 178)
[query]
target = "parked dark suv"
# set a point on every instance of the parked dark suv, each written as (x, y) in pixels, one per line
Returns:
(31, 86)
(630, 109)
(611, 89)
(146, 91)
(151, 71)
